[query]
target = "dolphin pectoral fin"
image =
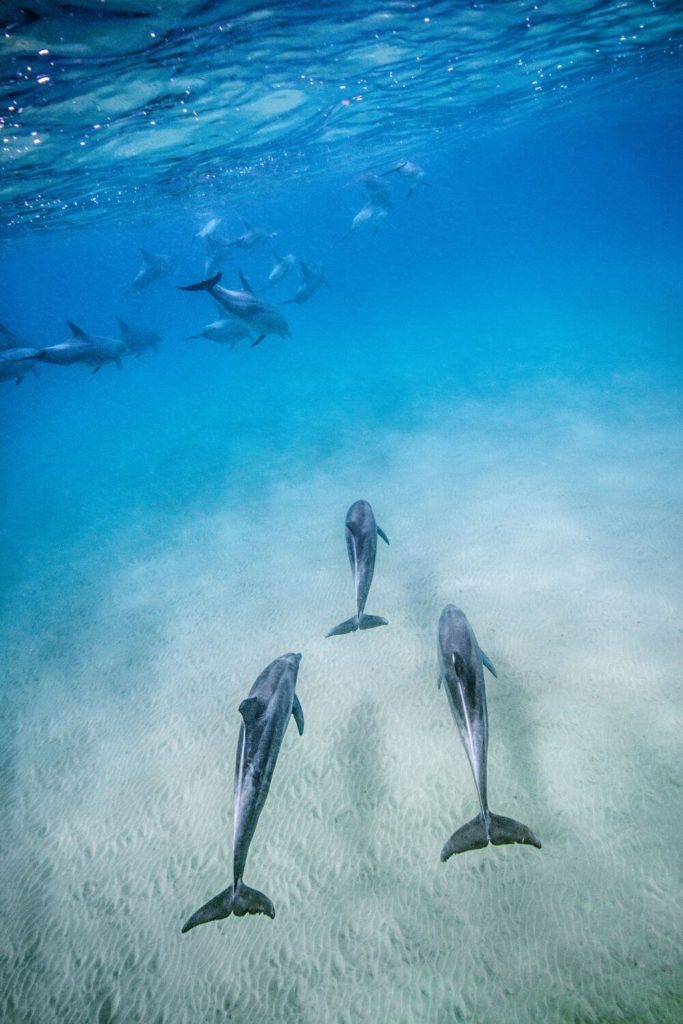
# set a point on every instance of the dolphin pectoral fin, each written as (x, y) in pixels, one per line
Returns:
(258, 341)
(201, 286)
(472, 836)
(97, 369)
(18, 380)
(439, 682)
(382, 534)
(507, 830)
(487, 663)
(298, 714)
(350, 626)
(370, 621)
(215, 910)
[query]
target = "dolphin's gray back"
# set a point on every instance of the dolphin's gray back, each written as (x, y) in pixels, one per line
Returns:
(461, 670)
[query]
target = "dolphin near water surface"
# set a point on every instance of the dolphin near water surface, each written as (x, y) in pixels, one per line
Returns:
(265, 717)
(258, 314)
(153, 268)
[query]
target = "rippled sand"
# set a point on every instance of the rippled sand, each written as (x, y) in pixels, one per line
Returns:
(556, 526)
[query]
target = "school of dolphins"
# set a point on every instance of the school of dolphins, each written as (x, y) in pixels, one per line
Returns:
(244, 313)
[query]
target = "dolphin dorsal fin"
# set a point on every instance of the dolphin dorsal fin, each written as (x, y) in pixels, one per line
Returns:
(77, 331)
(487, 663)
(245, 284)
(149, 258)
(125, 329)
(250, 709)
(298, 714)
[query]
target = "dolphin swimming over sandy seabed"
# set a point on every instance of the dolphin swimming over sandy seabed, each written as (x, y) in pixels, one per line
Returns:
(137, 340)
(254, 311)
(153, 268)
(84, 348)
(461, 670)
(265, 713)
(361, 543)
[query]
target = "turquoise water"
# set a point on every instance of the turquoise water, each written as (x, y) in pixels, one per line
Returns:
(497, 370)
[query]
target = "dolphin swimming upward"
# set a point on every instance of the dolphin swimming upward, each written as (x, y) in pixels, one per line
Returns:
(265, 713)
(256, 312)
(461, 668)
(361, 544)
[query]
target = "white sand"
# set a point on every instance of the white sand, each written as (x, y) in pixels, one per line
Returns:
(554, 522)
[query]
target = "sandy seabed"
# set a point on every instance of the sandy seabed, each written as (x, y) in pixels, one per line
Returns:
(554, 521)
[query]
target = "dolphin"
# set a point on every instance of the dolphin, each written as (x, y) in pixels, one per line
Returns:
(15, 363)
(373, 216)
(461, 669)
(256, 312)
(137, 341)
(377, 190)
(208, 228)
(84, 348)
(265, 717)
(412, 173)
(312, 281)
(361, 543)
(229, 330)
(281, 267)
(153, 268)
(218, 250)
(252, 237)
(8, 339)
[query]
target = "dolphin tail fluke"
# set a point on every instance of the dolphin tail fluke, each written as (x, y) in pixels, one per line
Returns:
(202, 286)
(481, 831)
(507, 830)
(240, 902)
(215, 910)
(472, 836)
(370, 621)
(350, 626)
